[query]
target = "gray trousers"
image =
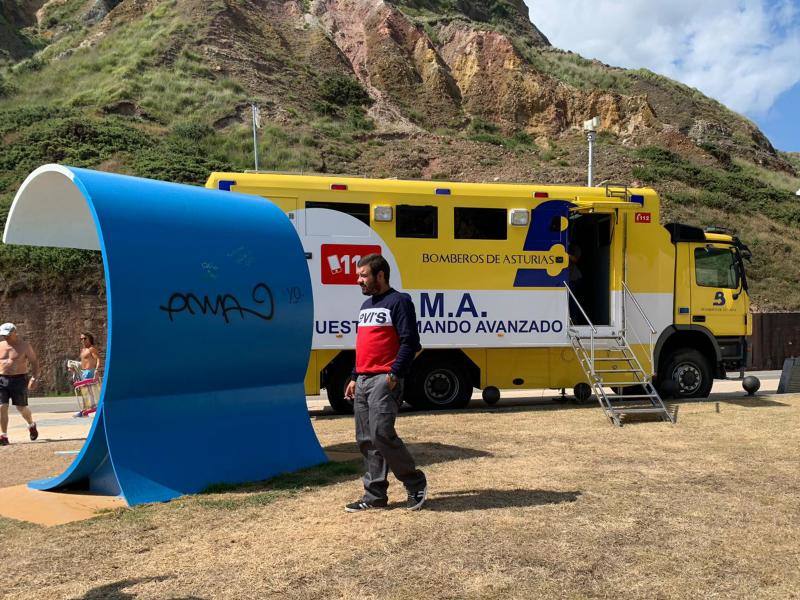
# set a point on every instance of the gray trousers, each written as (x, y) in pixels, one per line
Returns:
(375, 410)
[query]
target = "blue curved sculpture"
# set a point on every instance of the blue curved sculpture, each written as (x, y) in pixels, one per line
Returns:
(209, 331)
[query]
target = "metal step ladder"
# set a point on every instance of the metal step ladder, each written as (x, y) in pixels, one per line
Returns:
(596, 353)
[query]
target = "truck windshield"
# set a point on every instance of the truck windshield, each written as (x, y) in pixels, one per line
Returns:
(716, 267)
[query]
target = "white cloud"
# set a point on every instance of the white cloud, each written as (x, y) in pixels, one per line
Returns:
(744, 53)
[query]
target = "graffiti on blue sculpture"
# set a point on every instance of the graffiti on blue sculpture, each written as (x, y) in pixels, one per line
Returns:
(209, 331)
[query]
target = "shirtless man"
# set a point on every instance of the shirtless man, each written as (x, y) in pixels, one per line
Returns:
(17, 359)
(90, 359)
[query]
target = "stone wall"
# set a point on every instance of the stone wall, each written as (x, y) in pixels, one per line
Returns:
(52, 323)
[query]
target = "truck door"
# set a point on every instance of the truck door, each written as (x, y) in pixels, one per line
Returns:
(589, 239)
(718, 301)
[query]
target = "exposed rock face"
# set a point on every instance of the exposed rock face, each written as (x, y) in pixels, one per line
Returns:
(20, 14)
(394, 59)
(467, 72)
(97, 10)
(53, 324)
(15, 16)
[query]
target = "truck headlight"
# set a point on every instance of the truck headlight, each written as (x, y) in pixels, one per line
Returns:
(519, 216)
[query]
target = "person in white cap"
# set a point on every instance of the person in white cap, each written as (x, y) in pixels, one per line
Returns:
(17, 361)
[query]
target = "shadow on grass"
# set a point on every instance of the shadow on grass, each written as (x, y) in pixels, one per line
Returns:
(260, 493)
(532, 403)
(556, 402)
(228, 496)
(465, 500)
(424, 453)
(747, 401)
(116, 590)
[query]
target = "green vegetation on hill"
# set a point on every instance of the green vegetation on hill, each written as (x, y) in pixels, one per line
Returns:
(492, 11)
(573, 69)
(735, 189)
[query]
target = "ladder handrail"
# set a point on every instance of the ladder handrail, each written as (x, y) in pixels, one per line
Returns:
(627, 291)
(639, 308)
(578, 304)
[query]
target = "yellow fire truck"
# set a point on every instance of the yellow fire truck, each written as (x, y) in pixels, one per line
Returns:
(520, 286)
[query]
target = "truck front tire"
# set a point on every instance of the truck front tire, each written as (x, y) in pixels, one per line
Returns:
(690, 371)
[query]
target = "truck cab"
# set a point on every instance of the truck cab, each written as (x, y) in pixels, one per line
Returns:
(711, 318)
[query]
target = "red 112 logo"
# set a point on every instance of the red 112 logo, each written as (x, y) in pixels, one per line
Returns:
(339, 262)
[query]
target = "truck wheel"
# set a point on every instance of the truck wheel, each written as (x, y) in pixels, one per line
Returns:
(690, 371)
(439, 385)
(337, 379)
(582, 392)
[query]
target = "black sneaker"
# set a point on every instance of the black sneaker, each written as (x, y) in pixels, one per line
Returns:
(366, 505)
(417, 499)
(33, 431)
(4, 440)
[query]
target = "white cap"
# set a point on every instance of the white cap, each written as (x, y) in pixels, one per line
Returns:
(7, 329)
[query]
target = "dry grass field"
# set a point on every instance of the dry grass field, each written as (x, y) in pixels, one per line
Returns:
(526, 502)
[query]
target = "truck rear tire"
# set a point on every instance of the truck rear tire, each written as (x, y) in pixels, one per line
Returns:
(582, 392)
(690, 371)
(337, 380)
(438, 385)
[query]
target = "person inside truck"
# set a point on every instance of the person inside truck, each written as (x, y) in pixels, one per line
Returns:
(575, 281)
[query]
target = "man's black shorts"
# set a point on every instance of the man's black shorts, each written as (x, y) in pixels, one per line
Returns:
(14, 387)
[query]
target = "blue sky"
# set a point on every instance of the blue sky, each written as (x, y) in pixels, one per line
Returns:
(744, 53)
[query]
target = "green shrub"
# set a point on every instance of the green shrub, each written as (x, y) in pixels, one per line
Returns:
(75, 140)
(192, 130)
(26, 66)
(521, 138)
(721, 155)
(6, 87)
(415, 116)
(179, 160)
(357, 119)
(548, 155)
(342, 90)
(14, 119)
(325, 108)
(500, 11)
(487, 138)
(480, 125)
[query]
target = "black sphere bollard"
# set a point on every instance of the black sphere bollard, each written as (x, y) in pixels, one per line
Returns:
(751, 384)
(491, 395)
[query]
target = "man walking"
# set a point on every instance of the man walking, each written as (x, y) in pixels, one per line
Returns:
(17, 359)
(386, 342)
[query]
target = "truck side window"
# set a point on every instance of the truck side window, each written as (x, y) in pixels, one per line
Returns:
(359, 211)
(481, 224)
(417, 221)
(715, 267)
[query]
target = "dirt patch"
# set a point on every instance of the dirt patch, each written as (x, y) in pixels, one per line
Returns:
(526, 502)
(24, 462)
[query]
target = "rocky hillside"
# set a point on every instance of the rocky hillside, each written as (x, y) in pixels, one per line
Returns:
(439, 89)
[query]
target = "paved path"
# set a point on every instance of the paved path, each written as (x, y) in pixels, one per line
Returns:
(54, 414)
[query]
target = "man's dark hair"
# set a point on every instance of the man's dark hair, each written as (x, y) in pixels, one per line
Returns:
(89, 337)
(376, 264)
